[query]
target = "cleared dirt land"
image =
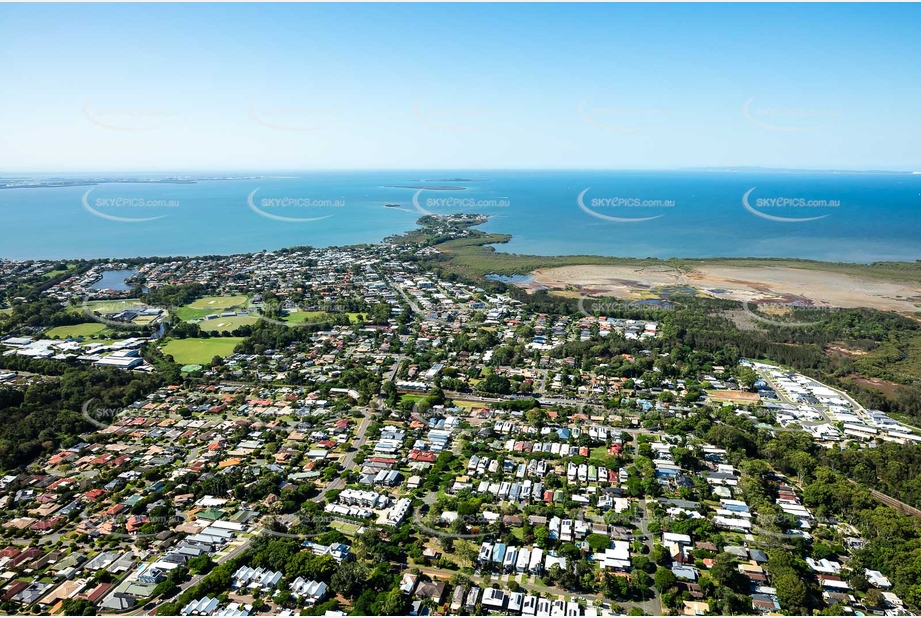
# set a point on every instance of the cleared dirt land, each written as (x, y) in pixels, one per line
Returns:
(762, 283)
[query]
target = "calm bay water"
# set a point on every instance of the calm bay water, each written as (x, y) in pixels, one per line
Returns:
(865, 217)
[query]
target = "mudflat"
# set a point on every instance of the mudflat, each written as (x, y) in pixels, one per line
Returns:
(749, 283)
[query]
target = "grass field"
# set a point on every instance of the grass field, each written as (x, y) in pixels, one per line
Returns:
(54, 273)
(228, 324)
(469, 405)
(209, 305)
(101, 307)
(218, 302)
(301, 317)
(106, 306)
(599, 452)
(187, 314)
(200, 351)
(344, 527)
(87, 330)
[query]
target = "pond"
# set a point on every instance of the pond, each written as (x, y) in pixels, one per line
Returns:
(114, 280)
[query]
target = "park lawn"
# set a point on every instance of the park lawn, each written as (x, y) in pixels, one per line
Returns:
(200, 351)
(86, 330)
(599, 452)
(344, 527)
(187, 314)
(413, 398)
(300, 317)
(228, 324)
(209, 305)
(53, 273)
(218, 302)
(469, 405)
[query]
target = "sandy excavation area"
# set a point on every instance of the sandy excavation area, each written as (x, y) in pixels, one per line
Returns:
(758, 284)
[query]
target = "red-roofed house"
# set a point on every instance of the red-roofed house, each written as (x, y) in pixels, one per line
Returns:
(135, 522)
(94, 494)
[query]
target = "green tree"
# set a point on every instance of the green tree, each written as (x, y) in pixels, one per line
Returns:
(660, 555)
(598, 542)
(395, 604)
(349, 579)
(874, 598)
(664, 579)
(791, 591)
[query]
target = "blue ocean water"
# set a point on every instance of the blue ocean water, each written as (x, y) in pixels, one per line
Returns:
(865, 217)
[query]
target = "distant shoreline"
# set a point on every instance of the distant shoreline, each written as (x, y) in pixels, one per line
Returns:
(427, 187)
(707, 216)
(499, 266)
(86, 182)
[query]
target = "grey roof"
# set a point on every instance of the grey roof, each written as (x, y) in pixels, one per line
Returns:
(757, 555)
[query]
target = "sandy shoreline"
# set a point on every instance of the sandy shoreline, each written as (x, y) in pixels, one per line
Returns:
(759, 284)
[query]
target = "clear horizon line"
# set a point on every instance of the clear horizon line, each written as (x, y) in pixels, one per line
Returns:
(4, 173)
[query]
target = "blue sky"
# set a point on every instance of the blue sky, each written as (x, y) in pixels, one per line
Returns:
(322, 86)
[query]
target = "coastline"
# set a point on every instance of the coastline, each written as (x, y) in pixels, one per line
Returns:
(887, 286)
(487, 246)
(190, 215)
